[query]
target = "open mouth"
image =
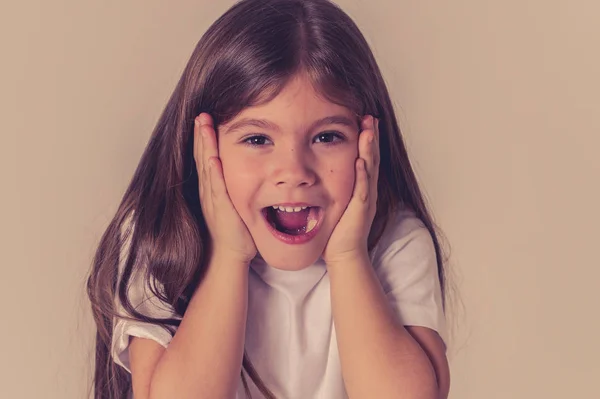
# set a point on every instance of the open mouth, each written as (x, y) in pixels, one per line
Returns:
(293, 224)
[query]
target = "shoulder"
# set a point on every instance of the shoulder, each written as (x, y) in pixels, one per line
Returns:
(141, 293)
(143, 290)
(405, 262)
(405, 235)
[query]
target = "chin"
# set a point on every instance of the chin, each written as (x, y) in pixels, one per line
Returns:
(292, 259)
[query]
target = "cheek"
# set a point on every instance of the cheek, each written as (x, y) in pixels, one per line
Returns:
(340, 179)
(241, 181)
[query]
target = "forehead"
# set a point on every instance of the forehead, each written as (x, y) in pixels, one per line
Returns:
(297, 105)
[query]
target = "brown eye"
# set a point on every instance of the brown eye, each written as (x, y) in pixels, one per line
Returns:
(256, 141)
(329, 137)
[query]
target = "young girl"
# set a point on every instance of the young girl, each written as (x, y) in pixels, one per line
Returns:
(273, 241)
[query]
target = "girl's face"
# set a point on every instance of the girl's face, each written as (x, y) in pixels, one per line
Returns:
(295, 151)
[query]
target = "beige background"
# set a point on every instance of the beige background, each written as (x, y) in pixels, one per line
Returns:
(499, 101)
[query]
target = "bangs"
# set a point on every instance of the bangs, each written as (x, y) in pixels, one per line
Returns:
(326, 85)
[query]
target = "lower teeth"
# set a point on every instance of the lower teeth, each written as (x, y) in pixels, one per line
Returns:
(310, 225)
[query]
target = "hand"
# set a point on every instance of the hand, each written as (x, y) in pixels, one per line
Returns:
(349, 237)
(230, 236)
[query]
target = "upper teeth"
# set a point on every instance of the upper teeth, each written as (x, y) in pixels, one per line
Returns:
(290, 208)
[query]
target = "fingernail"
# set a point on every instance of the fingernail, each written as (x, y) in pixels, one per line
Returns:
(201, 119)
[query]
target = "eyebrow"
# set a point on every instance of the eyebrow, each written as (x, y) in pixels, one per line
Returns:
(268, 125)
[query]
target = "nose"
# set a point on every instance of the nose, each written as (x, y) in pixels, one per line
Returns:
(294, 168)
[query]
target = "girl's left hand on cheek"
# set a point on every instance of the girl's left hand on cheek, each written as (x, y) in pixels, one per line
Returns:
(349, 237)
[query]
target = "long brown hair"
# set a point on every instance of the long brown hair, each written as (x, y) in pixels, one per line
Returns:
(245, 58)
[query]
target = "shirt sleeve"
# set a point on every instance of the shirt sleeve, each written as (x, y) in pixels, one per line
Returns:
(407, 268)
(145, 302)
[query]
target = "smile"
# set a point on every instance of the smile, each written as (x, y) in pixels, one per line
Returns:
(293, 223)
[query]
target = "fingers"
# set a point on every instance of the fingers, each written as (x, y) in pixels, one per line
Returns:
(205, 153)
(198, 144)
(369, 154)
(217, 181)
(208, 139)
(361, 186)
(369, 147)
(376, 163)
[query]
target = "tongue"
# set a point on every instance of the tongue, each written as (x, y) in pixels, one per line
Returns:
(292, 220)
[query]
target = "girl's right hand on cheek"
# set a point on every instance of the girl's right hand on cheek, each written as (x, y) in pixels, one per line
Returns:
(231, 240)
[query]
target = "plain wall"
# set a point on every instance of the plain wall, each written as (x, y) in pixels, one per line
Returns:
(499, 105)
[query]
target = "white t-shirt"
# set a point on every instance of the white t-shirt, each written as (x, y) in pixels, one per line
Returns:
(290, 335)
